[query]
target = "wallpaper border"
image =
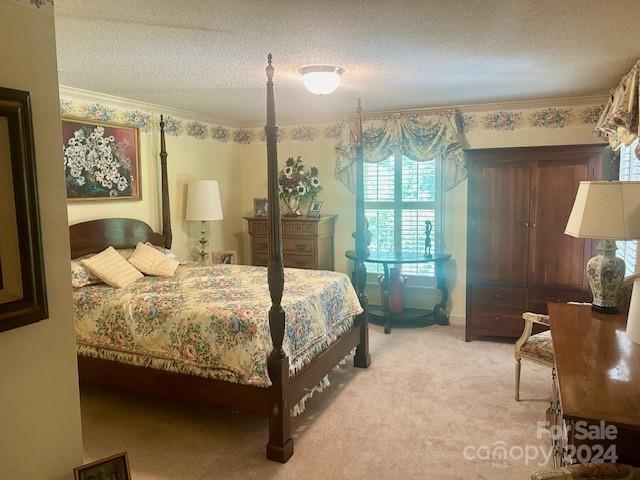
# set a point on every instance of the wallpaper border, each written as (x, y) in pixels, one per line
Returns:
(550, 118)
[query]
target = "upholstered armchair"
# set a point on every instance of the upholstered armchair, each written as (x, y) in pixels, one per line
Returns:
(535, 348)
(590, 471)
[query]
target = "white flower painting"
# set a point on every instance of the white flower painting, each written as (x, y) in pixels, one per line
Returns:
(100, 161)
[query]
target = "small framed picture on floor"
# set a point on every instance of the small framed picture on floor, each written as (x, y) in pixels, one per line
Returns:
(314, 209)
(115, 467)
(226, 257)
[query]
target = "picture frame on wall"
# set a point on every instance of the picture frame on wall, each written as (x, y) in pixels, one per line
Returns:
(115, 467)
(225, 257)
(260, 207)
(101, 160)
(23, 292)
(314, 209)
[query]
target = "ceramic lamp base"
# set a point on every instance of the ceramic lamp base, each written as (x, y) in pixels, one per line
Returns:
(605, 272)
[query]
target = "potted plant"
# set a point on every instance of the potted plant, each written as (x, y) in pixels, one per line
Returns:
(297, 185)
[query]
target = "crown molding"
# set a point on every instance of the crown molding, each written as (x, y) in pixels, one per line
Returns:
(129, 104)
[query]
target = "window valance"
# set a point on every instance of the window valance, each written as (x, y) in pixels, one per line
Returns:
(619, 119)
(419, 137)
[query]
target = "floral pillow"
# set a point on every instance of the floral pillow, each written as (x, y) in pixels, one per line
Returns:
(80, 276)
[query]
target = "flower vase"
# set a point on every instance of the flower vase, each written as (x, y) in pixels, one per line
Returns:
(293, 207)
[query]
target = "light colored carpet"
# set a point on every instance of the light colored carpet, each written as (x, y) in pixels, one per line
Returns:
(426, 396)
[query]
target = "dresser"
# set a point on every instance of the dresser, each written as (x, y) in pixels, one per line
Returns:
(518, 257)
(306, 242)
(596, 387)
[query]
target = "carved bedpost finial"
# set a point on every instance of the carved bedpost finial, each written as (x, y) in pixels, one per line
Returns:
(166, 214)
(269, 68)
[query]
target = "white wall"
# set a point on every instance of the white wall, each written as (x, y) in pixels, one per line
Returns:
(40, 436)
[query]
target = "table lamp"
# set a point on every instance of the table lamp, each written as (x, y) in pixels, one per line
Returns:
(607, 211)
(203, 204)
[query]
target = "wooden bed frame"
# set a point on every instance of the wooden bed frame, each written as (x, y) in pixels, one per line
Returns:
(276, 401)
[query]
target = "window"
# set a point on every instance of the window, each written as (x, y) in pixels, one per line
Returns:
(629, 170)
(400, 196)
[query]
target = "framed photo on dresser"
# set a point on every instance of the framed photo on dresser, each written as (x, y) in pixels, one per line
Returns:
(101, 161)
(314, 209)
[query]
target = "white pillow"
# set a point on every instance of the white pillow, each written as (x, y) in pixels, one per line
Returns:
(151, 261)
(112, 268)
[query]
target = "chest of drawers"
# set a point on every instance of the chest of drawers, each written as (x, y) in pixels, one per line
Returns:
(306, 242)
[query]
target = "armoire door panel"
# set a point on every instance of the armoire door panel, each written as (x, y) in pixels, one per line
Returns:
(500, 213)
(555, 259)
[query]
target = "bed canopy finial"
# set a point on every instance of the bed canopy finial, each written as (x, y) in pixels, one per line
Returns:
(269, 68)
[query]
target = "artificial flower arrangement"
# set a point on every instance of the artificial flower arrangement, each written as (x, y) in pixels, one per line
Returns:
(297, 185)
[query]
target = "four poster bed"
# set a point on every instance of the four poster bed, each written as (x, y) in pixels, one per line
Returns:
(271, 396)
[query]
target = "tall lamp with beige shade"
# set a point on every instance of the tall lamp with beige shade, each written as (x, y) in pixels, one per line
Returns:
(606, 211)
(203, 205)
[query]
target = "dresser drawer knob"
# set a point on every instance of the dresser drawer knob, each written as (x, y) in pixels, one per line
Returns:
(498, 296)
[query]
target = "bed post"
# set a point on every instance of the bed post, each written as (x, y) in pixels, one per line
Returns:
(362, 358)
(280, 446)
(166, 214)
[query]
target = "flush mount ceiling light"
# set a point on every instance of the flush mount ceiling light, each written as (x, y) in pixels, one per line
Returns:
(321, 79)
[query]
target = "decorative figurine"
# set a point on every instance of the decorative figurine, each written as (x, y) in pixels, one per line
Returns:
(367, 235)
(428, 227)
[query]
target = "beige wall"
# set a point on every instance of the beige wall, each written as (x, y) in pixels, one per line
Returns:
(189, 159)
(241, 171)
(338, 200)
(40, 436)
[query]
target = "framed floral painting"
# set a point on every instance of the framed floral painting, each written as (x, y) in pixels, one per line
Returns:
(101, 161)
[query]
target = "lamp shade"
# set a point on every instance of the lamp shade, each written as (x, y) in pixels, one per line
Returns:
(203, 201)
(606, 210)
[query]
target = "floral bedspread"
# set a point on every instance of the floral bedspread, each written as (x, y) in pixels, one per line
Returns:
(212, 321)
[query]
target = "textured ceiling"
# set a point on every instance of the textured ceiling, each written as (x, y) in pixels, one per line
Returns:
(209, 56)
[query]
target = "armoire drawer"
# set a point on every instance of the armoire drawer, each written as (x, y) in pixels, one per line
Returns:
(499, 299)
(499, 324)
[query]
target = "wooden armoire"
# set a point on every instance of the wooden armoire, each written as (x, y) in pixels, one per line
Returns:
(518, 257)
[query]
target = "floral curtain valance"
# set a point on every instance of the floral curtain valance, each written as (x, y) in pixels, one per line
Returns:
(619, 119)
(421, 138)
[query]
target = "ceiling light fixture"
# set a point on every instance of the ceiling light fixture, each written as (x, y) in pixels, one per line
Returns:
(321, 79)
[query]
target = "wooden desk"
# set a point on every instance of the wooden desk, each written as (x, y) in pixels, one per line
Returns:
(597, 379)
